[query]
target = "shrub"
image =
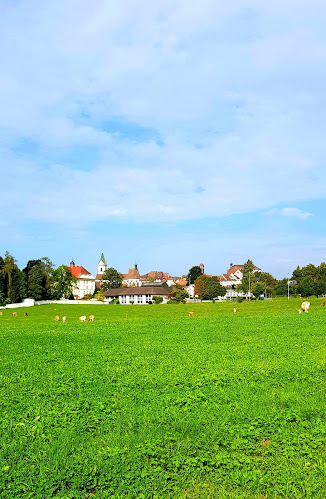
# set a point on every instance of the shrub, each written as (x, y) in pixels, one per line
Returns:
(157, 299)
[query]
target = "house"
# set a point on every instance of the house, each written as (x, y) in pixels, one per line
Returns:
(232, 279)
(138, 295)
(132, 278)
(85, 284)
(159, 277)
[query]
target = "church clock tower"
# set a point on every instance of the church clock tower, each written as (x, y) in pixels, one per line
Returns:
(101, 266)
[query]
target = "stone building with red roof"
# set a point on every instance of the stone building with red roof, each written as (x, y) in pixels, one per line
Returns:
(85, 284)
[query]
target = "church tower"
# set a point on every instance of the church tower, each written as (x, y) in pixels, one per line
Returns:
(101, 266)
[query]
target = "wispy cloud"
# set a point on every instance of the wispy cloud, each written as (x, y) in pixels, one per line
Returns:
(295, 212)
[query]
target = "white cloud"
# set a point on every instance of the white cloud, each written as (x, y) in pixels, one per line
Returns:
(295, 212)
(234, 90)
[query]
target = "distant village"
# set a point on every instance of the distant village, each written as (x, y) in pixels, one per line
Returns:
(140, 289)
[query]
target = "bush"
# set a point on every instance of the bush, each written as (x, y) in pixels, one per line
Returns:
(157, 299)
(240, 299)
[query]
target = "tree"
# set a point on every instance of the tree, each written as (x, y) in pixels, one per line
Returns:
(13, 280)
(61, 282)
(36, 279)
(258, 289)
(214, 288)
(307, 286)
(111, 279)
(42, 281)
(248, 268)
(8, 267)
(193, 274)
(17, 290)
(3, 283)
(311, 279)
(179, 295)
(200, 286)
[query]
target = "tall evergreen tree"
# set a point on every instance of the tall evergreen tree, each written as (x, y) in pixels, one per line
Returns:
(3, 283)
(193, 274)
(17, 289)
(36, 281)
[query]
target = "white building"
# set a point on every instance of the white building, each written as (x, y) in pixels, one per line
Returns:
(232, 279)
(85, 284)
(138, 295)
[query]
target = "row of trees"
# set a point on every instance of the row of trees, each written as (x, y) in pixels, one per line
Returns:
(306, 281)
(38, 280)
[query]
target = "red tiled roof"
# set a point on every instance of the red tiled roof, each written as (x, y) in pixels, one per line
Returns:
(132, 274)
(76, 271)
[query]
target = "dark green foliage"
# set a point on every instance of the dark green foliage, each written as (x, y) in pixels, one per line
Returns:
(36, 282)
(193, 274)
(111, 279)
(3, 283)
(208, 288)
(17, 290)
(214, 289)
(179, 295)
(62, 281)
(311, 280)
(157, 299)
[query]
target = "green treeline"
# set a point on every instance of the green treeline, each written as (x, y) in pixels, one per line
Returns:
(38, 280)
(307, 281)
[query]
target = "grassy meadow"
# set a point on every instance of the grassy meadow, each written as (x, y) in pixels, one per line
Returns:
(147, 402)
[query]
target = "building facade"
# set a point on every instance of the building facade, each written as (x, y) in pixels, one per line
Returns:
(85, 284)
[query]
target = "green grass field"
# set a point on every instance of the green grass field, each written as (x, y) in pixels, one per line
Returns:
(147, 402)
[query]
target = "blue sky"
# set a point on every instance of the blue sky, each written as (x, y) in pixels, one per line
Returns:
(170, 133)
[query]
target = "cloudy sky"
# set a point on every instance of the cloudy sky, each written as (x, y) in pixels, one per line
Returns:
(168, 133)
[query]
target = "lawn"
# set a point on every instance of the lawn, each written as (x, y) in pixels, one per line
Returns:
(147, 402)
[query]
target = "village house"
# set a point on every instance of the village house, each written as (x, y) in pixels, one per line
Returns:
(232, 279)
